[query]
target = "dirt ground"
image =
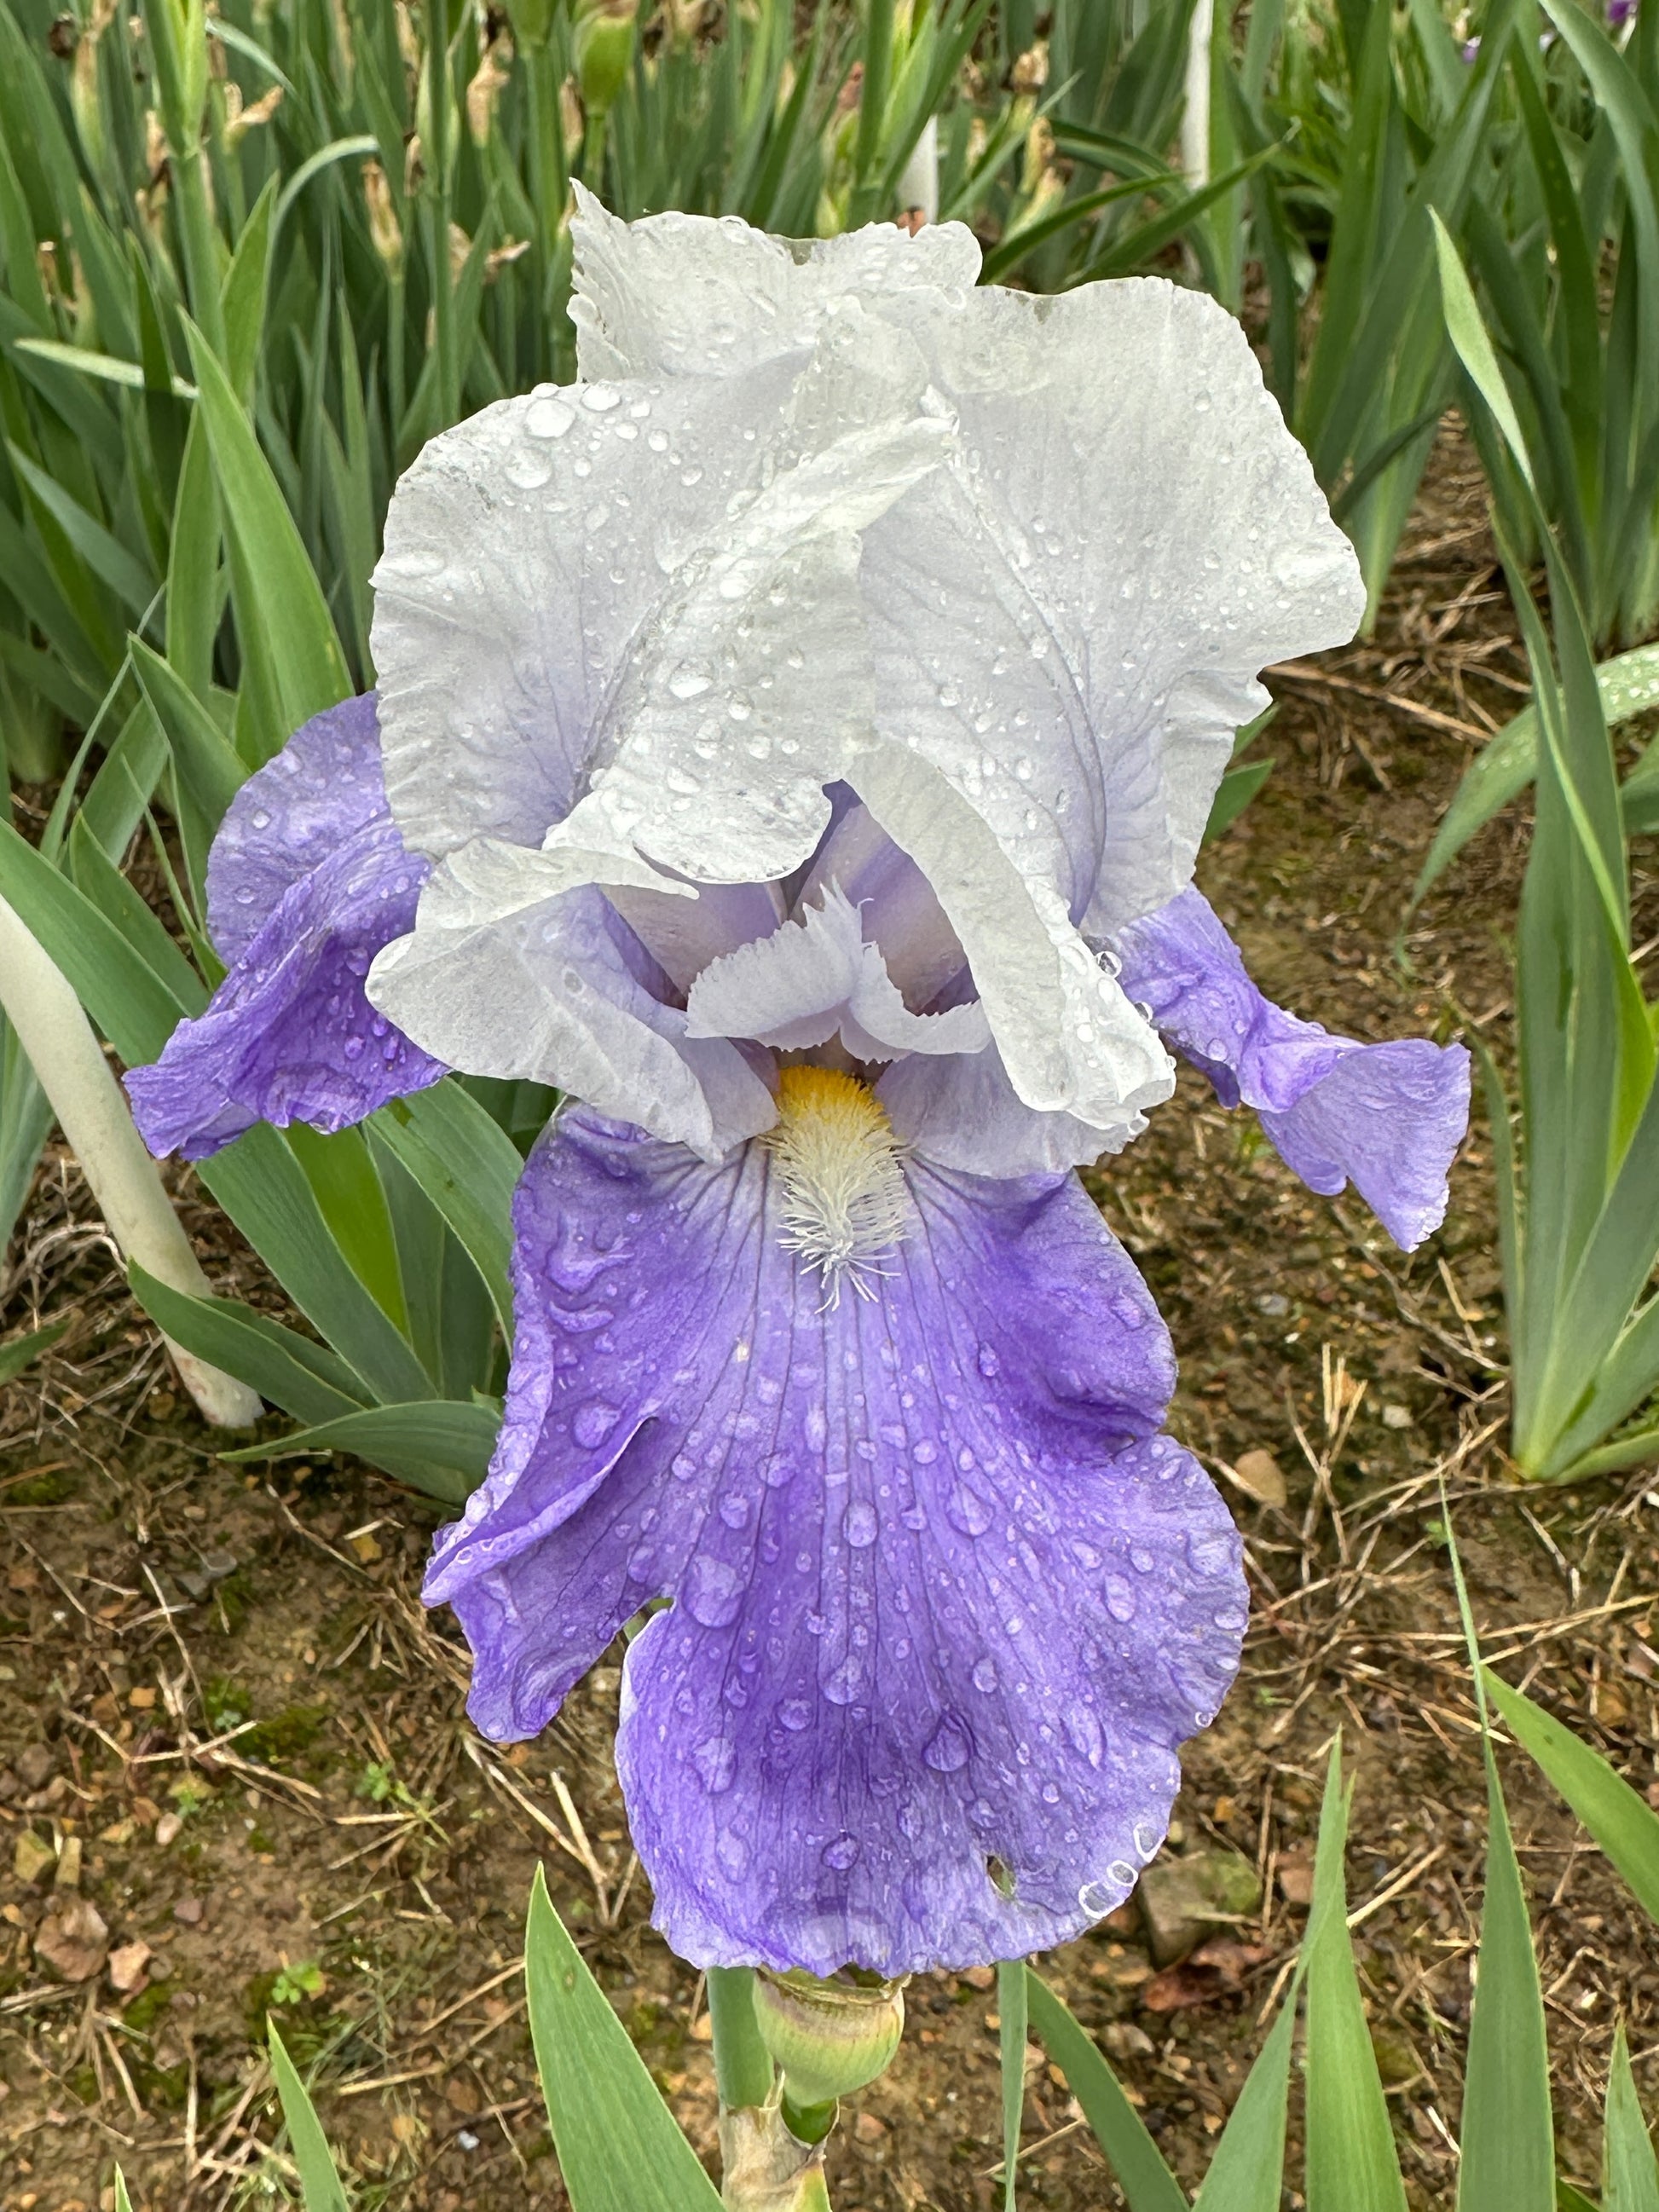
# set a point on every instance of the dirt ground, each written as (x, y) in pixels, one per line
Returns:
(221, 1688)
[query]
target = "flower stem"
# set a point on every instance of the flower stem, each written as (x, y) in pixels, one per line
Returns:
(52, 1030)
(767, 2168)
(743, 2066)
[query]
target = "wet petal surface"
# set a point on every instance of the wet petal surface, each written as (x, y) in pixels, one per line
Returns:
(1387, 1117)
(306, 881)
(944, 1601)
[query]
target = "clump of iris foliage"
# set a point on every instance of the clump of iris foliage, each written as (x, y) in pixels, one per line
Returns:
(254, 264)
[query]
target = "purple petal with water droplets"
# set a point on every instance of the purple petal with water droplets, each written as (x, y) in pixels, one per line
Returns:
(946, 1602)
(1387, 1117)
(307, 880)
(291, 814)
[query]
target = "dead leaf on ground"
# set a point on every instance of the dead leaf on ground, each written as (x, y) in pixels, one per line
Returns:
(1216, 1969)
(127, 1965)
(1259, 1474)
(73, 1939)
(1296, 1877)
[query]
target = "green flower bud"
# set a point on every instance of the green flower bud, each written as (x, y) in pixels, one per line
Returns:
(531, 22)
(827, 2039)
(604, 51)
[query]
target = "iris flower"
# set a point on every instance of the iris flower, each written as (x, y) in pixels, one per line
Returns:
(793, 742)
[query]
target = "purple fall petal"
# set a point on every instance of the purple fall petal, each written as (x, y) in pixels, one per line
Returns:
(1387, 1117)
(307, 880)
(944, 1601)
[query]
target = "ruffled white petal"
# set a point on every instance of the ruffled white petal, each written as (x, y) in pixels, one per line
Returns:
(545, 992)
(1070, 1039)
(817, 978)
(966, 1114)
(606, 577)
(1124, 491)
(688, 296)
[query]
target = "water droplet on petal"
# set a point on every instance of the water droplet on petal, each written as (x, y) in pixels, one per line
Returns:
(732, 1853)
(947, 1749)
(795, 1714)
(985, 1675)
(713, 1591)
(1120, 1598)
(547, 418)
(716, 1762)
(1147, 1838)
(968, 1512)
(1085, 1733)
(840, 1854)
(600, 399)
(859, 1525)
(1211, 1552)
(527, 468)
(593, 1422)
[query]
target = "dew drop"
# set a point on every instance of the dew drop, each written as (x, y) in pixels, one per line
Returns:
(713, 1591)
(947, 1749)
(1096, 1899)
(985, 1675)
(593, 1422)
(859, 1525)
(600, 399)
(527, 468)
(1120, 1598)
(716, 1762)
(842, 1853)
(989, 1365)
(1147, 1838)
(1084, 1732)
(732, 1853)
(795, 1714)
(968, 1512)
(1209, 1552)
(547, 418)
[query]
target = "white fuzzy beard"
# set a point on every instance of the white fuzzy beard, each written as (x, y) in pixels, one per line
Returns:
(845, 1206)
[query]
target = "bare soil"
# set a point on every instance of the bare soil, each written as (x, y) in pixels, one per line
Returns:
(221, 1686)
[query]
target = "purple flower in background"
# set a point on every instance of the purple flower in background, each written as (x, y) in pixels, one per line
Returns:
(809, 719)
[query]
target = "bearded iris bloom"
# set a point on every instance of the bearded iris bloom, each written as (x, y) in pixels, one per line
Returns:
(793, 742)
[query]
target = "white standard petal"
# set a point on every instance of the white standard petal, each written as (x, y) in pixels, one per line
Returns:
(647, 600)
(1070, 623)
(697, 296)
(748, 689)
(816, 978)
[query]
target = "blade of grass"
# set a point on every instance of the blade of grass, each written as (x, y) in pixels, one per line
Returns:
(1508, 2161)
(1630, 2174)
(1012, 2009)
(1352, 2163)
(319, 2178)
(1620, 1820)
(618, 2146)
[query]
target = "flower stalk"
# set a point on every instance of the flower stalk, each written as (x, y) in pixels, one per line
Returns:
(55, 1033)
(826, 2038)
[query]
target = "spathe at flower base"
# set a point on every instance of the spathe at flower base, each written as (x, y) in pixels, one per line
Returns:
(800, 734)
